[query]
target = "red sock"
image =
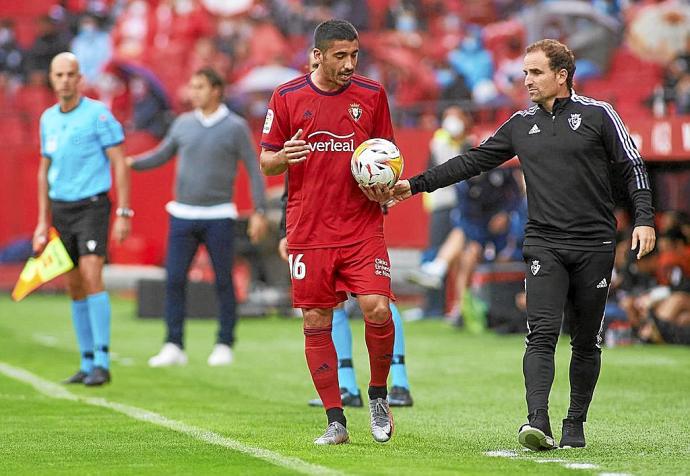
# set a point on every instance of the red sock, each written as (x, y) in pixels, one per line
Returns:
(379, 338)
(323, 365)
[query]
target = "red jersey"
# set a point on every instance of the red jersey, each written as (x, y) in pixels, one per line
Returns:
(326, 207)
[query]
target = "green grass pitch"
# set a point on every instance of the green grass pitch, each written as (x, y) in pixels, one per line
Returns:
(468, 394)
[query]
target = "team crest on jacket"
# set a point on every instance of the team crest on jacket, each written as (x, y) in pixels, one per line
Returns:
(535, 267)
(355, 111)
(575, 121)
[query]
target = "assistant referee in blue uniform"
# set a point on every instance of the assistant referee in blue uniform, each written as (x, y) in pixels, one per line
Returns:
(80, 139)
(570, 148)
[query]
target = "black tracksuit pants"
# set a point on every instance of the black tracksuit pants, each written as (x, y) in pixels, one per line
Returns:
(577, 282)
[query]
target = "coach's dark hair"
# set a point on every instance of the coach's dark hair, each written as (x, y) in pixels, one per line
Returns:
(333, 30)
(560, 57)
(213, 78)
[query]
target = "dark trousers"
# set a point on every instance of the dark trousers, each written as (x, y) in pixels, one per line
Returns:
(440, 226)
(577, 282)
(184, 239)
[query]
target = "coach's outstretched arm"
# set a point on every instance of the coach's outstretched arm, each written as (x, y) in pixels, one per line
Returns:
(293, 152)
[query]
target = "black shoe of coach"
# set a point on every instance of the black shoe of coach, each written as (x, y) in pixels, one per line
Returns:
(573, 435)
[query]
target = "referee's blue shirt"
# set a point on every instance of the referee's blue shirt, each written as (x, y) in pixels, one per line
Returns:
(75, 142)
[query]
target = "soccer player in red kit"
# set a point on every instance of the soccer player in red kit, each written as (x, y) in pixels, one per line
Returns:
(334, 232)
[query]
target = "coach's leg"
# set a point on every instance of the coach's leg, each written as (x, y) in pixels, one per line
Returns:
(322, 360)
(546, 286)
(182, 245)
(589, 287)
(219, 241)
(379, 333)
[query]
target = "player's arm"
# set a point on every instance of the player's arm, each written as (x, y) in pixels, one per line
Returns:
(627, 159)
(122, 225)
(294, 151)
(43, 223)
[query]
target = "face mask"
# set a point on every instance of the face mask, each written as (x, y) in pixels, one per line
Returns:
(470, 44)
(406, 23)
(453, 125)
(88, 28)
(5, 36)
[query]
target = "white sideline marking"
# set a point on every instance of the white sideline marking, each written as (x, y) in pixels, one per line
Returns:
(53, 390)
(569, 465)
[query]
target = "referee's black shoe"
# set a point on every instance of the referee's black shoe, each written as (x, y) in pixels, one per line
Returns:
(536, 435)
(348, 399)
(573, 435)
(76, 378)
(99, 376)
(399, 397)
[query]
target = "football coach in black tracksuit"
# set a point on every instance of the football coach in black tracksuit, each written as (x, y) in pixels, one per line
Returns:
(569, 147)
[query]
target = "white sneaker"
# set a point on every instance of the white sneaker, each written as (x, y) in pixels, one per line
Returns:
(221, 355)
(170, 354)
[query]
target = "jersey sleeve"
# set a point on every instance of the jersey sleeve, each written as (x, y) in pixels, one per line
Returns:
(277, 124)
(491, 153)
(383, 127)
(108, 129)
(42, 137)
(628, 162)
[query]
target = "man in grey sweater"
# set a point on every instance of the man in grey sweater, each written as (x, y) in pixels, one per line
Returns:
(209, 141)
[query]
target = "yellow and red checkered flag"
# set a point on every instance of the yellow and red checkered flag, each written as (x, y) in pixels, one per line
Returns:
(50, 264)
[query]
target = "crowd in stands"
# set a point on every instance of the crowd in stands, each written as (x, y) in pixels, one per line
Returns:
(136, 54)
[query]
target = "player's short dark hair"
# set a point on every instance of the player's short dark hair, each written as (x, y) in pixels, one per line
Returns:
(560, 57)
(212, 76)
(333, 30)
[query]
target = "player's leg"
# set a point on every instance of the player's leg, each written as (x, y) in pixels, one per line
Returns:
(342, 339)
(182, 245)
(219, 238)
(546, 285)
(82, 326)
(590, 282)
(399, 396)
(313, 290)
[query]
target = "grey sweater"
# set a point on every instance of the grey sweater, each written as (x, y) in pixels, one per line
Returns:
(207, 160)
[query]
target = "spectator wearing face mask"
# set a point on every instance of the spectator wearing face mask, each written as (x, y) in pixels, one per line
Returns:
(92, 47)
(449, 140)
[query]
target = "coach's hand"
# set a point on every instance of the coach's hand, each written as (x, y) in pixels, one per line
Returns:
(283, 249)
(646, 237)
(121, 228)
(40, 238)
(257, 227)
(295, 150)
(401, 190)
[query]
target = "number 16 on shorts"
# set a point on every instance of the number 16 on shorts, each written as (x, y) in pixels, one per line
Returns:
(298, 270)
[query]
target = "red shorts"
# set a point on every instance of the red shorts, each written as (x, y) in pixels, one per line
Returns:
(322, 277)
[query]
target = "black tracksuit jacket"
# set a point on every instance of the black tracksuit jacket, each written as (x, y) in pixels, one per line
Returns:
(568, 157)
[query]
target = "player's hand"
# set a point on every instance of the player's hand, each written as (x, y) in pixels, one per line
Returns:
(122, 226)
(257, 227)
(378, 193)
(283, 249)
(646, 237)
(295, 150)
(40, 238)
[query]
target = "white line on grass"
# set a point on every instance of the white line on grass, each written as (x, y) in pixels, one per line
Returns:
(510, 454)
(53, 390)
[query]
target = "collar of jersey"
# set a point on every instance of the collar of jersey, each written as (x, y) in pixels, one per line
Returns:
(558, 103)
(217, 116)
(325, 93)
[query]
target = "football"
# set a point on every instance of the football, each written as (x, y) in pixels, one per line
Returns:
(376, 161)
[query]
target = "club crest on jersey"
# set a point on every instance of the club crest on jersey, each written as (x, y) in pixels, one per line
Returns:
(535, 267)
(575, 121)
(355, 111)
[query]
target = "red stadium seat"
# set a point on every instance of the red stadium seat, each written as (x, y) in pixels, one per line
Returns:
(13, 130)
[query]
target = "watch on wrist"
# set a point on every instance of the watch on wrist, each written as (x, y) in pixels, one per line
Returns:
(124, 212)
